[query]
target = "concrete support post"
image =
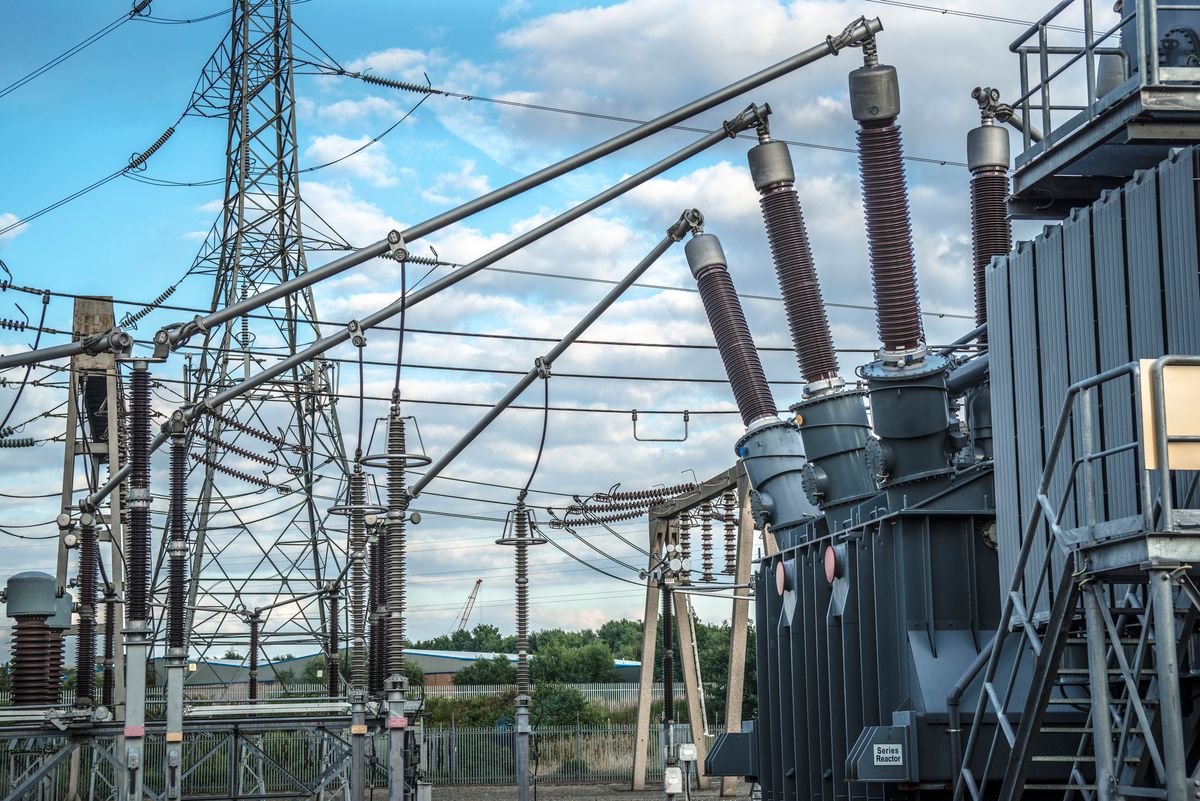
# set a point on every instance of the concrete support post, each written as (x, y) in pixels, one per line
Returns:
(739, 625)
(397, 724)
(693, 692)
(1101, 716)
(657, 540)
(358, 745)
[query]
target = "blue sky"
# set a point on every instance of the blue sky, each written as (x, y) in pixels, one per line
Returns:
(82, 120)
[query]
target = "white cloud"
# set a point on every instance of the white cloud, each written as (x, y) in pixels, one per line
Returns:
(7, 219)
(370, 163)
(457, 186)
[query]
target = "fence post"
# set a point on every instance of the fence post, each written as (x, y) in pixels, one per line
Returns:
(578, 750)
(453, 753)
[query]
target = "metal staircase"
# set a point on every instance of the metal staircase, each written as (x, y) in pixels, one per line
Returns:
(1098, 693)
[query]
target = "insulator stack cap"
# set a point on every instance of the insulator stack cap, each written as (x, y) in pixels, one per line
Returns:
(31, 593)
(987, 147)
(770, 164)
(61, 619)
(875, 94)
(704, 251)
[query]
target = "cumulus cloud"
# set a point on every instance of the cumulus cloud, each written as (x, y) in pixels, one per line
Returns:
(6, 219)
(356, 157)
(457, 186)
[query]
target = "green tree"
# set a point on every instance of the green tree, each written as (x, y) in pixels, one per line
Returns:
(496, 670)
(232, 654)
(573, 664)
(623, 638)
(558, 705)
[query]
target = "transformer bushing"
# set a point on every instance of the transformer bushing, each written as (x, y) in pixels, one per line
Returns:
(85, 643)
(991, 232)
(58, 623)
(30, 603)
(771, 450)
(832, 421)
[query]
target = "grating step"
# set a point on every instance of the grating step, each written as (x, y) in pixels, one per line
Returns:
(1081, 730)
(1109, 671)
(1083, 758)
(1086, 702)
(1063, 787)
(1124, 640)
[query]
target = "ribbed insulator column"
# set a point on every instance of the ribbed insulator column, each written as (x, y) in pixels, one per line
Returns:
(31, 662)
(736, 346)
(727, 503)
(395, 554)
(374, 668)
(774, 178)
(254, 621)
(889, 237)
(333, 649)
(357, 494)
(137, 556)
(85, 643)
(521, 530)
(55, 672)
(110, 639)
(991, 231)
(685, 544)
(706, 544)
(177, 569)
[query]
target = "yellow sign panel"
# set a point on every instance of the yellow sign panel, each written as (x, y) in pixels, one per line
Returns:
(1181, 394)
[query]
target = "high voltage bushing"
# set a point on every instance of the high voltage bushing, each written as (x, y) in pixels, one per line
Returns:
(774, 178)
(85, 644)
(875, 104)
(727, 501)
(30, 602)
(991, 231)
(57, 624)
(395, 553)
(706, 545)
(137, 557)
(746, 377)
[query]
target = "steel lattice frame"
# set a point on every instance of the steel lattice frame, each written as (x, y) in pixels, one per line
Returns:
(258, 536)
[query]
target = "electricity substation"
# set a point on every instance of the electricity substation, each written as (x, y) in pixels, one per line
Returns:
(978, 560)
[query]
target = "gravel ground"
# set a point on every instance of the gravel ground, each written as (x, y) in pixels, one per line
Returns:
(569, 792)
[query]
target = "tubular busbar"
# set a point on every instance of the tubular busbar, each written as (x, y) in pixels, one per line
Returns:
(747, 119)
(855, 33)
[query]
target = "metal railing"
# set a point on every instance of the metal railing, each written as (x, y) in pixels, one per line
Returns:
(1035, 43)
(1057, 580)
(604, 695)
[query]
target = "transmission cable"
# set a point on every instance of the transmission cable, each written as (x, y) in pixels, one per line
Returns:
(71, 51)
(28, 368)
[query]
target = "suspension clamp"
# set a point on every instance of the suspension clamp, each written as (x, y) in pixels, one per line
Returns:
(356, 335)
(542, 366)
(396, 246)
(845, 38)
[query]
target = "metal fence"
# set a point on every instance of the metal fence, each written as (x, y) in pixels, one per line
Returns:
(607, 696)
(561, 754)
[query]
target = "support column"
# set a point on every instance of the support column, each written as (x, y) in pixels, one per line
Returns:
(686, 626)
(1166, 656)
(1098, 676)
(641, 740)
(739, 625)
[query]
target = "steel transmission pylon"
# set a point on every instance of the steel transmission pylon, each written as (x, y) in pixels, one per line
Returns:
(259, 539)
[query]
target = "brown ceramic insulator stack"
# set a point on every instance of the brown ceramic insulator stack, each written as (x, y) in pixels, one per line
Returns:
(31, 662)
(110, 637)
(771, 168)
(253, 693)
(374, 664)
(333, 649)
(706, 546)
(137, 556)
(55, 673)
(727, 501)
(357, 494)
(85, 644)
(725, 316)
(650, 496)
(991, 231)
(396, 545)
(521, 531)
(889, 237)
(177, 575)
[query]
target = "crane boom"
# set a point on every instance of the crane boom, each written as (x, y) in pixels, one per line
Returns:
(470, 604)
